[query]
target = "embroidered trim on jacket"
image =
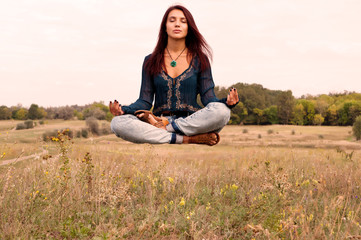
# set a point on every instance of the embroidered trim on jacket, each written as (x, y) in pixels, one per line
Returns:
(169, 94)
(177, 92)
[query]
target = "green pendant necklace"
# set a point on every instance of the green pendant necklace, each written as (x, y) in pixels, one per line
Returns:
(174, 62)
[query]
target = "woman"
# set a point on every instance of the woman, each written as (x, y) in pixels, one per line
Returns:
(175, 73)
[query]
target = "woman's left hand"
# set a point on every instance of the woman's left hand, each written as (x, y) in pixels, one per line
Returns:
(232, 97)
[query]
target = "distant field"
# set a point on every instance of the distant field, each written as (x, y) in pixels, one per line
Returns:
(260, 182)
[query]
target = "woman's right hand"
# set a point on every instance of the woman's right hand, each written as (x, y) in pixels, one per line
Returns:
(115, 108)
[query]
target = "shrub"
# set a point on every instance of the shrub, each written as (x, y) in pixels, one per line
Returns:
(29, 124)
(49, 134)
(93, 125)
(320, 136)
(269, 131)
(245, 130)
(105, 129)
(293, 132)
(356, 128)
(41, 122)
(20, 126)
(78, 134)
(68, 132)
(84, 133)
(259, 136)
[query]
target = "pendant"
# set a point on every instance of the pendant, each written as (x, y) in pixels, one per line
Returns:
(173, 63)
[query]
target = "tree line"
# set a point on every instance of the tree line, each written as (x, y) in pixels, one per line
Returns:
(97, 110)
(258, 105)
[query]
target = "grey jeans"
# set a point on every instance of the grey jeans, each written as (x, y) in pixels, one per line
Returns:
(211, 118)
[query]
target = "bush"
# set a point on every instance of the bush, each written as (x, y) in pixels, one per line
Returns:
(293, 132)
(49, 134)
(245, 130)
(41, 122)
(93, 125)
(68, 132)
(20, 126)
(269, 131)
(259, 136)
(78, 134)
(356, 128)
(105, 129)
(29, 124)
(84, 133)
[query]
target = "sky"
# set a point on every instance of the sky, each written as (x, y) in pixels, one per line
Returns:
(66, 52)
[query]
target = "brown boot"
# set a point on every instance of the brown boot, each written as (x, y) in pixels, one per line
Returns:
(205, 138)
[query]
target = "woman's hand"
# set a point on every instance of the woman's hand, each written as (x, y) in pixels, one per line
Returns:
(232, 97)
(115, 108)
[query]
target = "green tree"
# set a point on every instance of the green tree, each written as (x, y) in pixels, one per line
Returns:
(322, 104)
(21, 114)
(271, 114)
(309, 108)
(5, 113)
(258, 114)
(299, 114)
(318, 119)
(348, 111)
(42, 113)
(356, 128)
(235, 119)
(33, 112)
(331, 115)
(285, 106)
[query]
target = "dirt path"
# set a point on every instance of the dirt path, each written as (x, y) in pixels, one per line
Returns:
(19, 159)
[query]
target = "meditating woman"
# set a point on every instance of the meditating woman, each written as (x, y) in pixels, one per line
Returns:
(175, 73)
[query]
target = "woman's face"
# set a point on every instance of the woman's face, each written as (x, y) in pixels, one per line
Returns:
(176, 26)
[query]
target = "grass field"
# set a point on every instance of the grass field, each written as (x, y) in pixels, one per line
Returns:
(260, 182)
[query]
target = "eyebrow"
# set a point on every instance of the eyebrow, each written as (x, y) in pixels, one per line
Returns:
(175, 17)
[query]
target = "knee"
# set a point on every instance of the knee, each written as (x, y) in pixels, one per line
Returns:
(221, 110)
(119, 123)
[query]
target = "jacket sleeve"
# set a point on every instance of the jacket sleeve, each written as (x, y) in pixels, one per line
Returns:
(206, 88)
(146, 95)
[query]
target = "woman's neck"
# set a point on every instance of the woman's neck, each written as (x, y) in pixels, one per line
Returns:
(176, 45)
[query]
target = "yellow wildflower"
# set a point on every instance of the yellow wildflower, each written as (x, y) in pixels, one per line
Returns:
(171, 180)
(208, 206)
(182, 202)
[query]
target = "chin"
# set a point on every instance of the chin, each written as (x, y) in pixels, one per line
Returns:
(178, 37)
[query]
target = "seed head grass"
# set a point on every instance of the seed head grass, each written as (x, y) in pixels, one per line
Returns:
(108, 188)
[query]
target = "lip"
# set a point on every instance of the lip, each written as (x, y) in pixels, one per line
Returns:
(177, 31)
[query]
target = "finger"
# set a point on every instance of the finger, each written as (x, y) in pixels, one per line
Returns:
(111, 107)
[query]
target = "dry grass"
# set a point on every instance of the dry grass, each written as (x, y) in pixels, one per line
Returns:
(279, 186)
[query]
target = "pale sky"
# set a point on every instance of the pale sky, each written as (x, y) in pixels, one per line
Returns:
(65, 52)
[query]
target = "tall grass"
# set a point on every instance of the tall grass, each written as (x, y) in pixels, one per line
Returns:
(109, 190)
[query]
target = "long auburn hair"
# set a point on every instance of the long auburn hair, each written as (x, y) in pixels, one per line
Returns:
(195, 42)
